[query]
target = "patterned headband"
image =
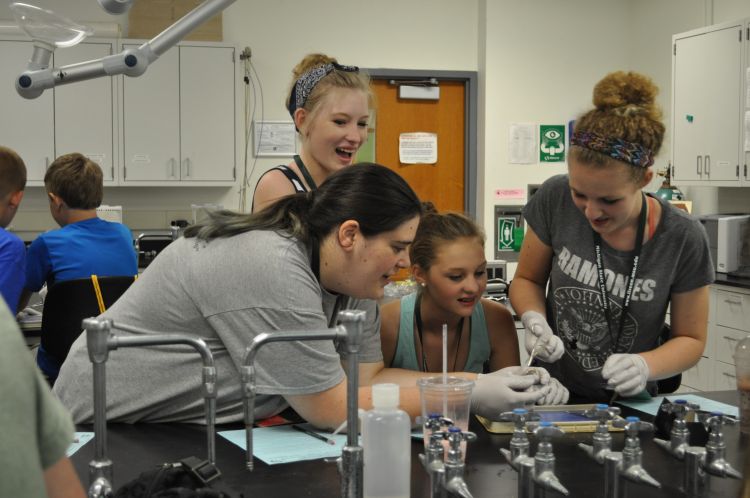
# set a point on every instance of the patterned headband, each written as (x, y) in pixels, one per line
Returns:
(629, 152)
(306, 83)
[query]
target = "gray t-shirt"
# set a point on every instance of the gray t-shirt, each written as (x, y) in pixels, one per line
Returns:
(675, 260)
(226, 291)
(36, 428)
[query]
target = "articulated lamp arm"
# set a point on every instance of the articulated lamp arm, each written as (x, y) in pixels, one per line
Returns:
(132, 62)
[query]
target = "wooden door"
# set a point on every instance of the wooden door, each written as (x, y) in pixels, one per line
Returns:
(441, 183)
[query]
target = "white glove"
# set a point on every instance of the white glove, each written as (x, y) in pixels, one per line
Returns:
(550, 348)
(503, 390)
(557, 395)
(626, 373)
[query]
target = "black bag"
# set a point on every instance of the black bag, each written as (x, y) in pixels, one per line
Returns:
(188, 478)
(670, 384)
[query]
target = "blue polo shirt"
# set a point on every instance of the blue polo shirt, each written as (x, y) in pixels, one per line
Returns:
(12, 268)
(79, 250)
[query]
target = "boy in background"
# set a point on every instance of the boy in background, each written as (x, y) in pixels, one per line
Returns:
(85, 244)
(12, 249)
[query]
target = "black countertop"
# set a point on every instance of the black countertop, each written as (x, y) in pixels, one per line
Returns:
(135, 448)
(725, 279)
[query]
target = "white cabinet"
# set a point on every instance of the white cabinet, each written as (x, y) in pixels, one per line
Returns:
(68, 118)
(26, 126)
(179, 119)
(151, 121)
(728, 323)
(708, 82)
(84, 111)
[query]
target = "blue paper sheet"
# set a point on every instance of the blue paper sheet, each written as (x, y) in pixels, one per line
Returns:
(651, 406)
(81, 438)
(282, 444)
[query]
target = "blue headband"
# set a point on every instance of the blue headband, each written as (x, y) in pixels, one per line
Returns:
(306, 83)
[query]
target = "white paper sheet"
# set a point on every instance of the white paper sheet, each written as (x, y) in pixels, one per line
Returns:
(522, 143)
(417, 148)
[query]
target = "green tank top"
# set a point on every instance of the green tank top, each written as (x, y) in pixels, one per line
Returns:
(406, 355)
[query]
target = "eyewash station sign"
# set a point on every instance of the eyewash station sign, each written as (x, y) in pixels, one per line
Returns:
(551, 143)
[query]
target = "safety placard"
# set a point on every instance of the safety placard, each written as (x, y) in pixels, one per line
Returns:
(551, 143)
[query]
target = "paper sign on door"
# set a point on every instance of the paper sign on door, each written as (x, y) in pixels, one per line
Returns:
(417, 148)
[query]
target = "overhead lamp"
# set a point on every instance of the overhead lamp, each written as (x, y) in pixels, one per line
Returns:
(115, 6)
(46, 27)
(130, 62)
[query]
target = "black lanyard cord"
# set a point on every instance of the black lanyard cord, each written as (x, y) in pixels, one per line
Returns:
(630, 284)
(305, 173)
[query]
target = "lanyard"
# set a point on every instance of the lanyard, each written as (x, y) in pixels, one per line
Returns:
(342, 301)
(631, 278)
(418, 319)
(305, 173)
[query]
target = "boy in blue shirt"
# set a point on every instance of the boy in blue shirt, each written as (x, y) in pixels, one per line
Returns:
(12, 249)
(85, 244)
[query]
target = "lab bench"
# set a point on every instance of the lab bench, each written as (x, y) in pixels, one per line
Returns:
(139, 447)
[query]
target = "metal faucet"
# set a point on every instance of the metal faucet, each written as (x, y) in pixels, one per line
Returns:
(544, 461)
(700, 461)
(716, 447)
(446, 478)
(628, 463)
(602, 439)
(351, 463)
(99, 341)
(679, 435)
(519, 442)
(432, 458)
(454, 464)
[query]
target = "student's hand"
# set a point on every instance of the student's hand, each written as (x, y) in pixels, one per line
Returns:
(626, 373)
(550, 348)
(503, 390)
(558, 394)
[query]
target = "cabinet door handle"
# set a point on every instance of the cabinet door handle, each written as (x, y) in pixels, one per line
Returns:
(187, 167)
(172, 162)
(46, 163)
(733, 301)
(744, 169)
(725, 374)
(698, 164)
(731, 339)
(707, 168)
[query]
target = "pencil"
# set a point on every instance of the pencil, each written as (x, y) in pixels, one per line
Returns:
(314, 434)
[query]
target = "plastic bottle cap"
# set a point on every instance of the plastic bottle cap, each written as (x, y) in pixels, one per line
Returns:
(385, 395)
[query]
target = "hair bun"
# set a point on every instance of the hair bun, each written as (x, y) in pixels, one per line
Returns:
(309, 62)
(428, 208)
(626, 92)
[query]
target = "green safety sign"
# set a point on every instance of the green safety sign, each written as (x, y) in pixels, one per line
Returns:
(505, 233)
(551, 143)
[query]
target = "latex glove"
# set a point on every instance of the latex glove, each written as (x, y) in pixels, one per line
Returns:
(626, 373)
(558, 394)
(503, 390)
(550, 348)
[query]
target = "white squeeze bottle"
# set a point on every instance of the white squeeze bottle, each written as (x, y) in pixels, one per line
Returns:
(386, 440)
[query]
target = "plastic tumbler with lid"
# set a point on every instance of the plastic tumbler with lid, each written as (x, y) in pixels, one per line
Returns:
(742, 367)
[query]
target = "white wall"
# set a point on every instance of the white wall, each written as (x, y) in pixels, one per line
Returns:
(413, 34)
(537, 60)
(542, 58)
